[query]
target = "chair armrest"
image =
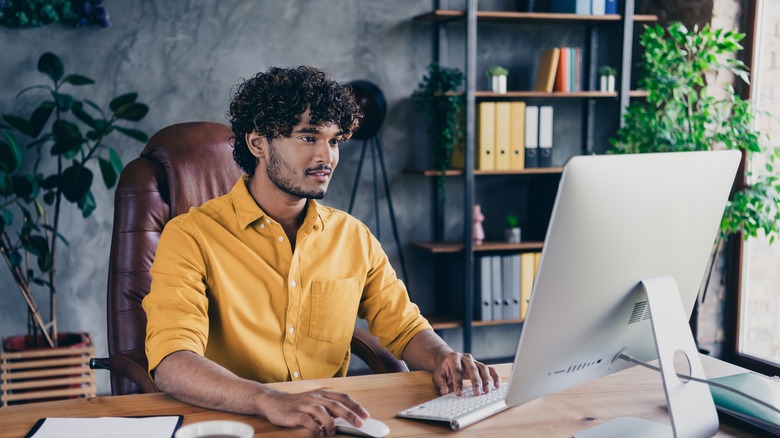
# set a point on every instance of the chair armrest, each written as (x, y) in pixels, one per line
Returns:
(131, 365)
(366, 346)
(99, 363)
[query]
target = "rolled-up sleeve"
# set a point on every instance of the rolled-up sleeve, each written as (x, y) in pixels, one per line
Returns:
(176, 306)
(386, 305)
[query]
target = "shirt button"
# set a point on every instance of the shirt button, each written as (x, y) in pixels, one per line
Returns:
(268, 221)
(293, 283)
(295, 374)
(292, 330)
(262, 225)
(281, 239)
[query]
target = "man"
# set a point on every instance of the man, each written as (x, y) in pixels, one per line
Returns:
(264, 284)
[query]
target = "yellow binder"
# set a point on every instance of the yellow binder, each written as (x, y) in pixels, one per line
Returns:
(503, 135)
(487, 136)
(517, 136)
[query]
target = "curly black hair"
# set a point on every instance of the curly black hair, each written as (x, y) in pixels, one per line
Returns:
(271, 103)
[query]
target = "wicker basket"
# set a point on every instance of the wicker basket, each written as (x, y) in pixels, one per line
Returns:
(42, 374)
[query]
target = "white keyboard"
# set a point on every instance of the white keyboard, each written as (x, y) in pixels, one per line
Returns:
(460, 411)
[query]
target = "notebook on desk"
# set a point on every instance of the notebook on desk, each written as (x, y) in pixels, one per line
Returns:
(742, 409)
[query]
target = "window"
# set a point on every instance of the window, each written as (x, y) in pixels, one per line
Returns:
(756, 341)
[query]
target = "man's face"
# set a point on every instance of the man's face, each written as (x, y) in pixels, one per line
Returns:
(301, 165)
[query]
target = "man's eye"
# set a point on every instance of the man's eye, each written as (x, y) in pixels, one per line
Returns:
(335, 142)
(308, 139)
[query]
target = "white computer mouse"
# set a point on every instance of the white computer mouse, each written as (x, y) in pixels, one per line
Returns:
(371, 428)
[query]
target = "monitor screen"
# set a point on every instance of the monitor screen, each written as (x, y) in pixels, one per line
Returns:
(617, 220)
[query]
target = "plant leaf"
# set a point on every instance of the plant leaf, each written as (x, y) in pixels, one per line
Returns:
(25, 187)
(133, 133)
(20, 124)
(121, 101)
(87, 204)
(11, 157)
(50, 65)
(132, 111)
(108, 172)
(75, 182)
(78, 111)
(40, 117)
(116, 162)
(77, 80)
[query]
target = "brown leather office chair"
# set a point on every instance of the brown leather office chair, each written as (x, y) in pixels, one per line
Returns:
(182, 166)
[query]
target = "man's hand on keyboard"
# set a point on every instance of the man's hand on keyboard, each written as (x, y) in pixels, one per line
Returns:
(455, 367)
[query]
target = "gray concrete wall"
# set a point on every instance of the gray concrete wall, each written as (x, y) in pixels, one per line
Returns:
(183, 57)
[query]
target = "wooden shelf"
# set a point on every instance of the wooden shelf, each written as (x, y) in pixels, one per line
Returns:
(638, 93)
(459, 172)
(442, 323)
(543, 94)
(446, 15)
(455, 247)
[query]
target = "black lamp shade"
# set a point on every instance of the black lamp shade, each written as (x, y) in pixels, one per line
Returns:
(371, 100)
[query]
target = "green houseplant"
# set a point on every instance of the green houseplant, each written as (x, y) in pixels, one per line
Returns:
(444, 110)
(681, 113)
(43, 165)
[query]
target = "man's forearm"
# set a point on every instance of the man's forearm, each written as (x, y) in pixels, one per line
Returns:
(194, 379)
(425, 351)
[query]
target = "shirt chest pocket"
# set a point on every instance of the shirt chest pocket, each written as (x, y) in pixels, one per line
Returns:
(334, 305)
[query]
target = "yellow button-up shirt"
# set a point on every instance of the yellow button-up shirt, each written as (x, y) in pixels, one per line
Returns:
(227, 285)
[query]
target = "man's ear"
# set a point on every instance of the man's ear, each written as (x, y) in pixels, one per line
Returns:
(256, 143)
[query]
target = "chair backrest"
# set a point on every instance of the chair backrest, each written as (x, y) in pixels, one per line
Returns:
(182, 166)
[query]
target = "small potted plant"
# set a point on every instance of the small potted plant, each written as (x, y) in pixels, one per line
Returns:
(607, 78)
(512, 231)
(497, 76)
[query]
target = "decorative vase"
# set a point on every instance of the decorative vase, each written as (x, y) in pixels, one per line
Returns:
(498, 84)
(512, 235)
(607, 83)
(478, 233)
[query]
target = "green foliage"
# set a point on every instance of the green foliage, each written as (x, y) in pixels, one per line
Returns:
(444, 111)
(681, 114)
(606, 70)
(496, 70)
(35, 13)
(44, 160)
(512, 220)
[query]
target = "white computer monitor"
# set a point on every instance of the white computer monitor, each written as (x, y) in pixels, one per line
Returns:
(619, 220)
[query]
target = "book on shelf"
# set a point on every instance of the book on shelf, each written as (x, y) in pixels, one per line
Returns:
(581, 7)
(511, 292)
(562, 72)
(527, 277)
(598, 7)
(610, 7)
(545, 135)
(503, 135)
(517, 136)
(531, 136)
(545, 72)
(497, 288)
(485, 275)
(486, 136)
(568, 77)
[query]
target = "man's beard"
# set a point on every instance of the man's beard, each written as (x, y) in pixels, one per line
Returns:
(282, 175)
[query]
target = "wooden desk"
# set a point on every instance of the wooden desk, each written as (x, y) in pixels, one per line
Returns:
(633, 392)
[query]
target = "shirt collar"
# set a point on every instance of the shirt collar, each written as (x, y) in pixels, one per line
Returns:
(247, 210)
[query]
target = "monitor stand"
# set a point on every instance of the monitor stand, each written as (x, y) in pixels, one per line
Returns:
(690, 404)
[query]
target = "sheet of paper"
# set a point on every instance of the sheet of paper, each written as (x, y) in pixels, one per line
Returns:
(118, 427)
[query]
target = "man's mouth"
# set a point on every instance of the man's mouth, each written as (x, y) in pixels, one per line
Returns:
(321, 173)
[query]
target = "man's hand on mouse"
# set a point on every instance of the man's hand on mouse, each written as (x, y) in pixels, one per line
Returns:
(313, 410)
(456, 366)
